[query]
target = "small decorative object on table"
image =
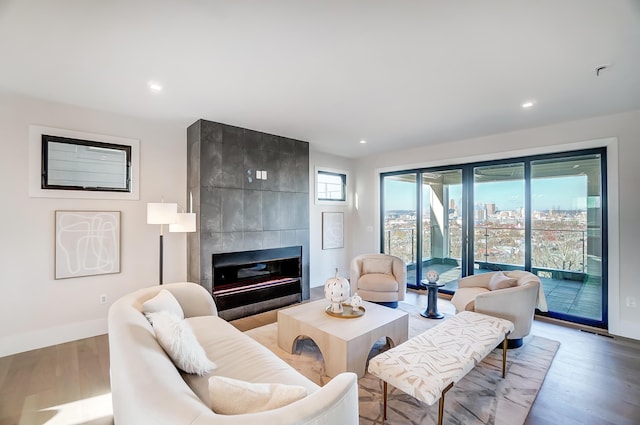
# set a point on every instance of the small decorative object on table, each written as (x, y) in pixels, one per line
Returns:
(432, 285)
(432, 276)
(336, 291)
(356, 302)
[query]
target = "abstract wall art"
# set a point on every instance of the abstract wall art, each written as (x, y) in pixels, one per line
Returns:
(87, 243)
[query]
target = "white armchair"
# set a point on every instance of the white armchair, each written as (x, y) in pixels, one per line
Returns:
(379, 278)
(516, 303)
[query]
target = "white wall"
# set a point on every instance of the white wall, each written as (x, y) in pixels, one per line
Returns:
(324, 261)
(36, 309)
(624, 202)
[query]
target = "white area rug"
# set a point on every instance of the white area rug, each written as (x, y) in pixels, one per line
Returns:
(481, 397)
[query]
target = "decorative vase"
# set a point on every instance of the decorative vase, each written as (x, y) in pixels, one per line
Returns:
(336, 291)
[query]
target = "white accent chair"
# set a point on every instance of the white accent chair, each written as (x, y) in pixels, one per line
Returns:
(379, 278)
(516, 303)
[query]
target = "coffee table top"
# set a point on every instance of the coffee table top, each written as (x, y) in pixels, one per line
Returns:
(313, 313)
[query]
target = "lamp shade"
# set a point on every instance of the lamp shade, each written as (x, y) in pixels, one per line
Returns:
(162, 213)
(186, 223)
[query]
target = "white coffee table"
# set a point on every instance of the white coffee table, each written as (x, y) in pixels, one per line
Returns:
(344, 343)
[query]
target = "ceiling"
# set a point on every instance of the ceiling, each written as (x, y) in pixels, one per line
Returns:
(395, 73)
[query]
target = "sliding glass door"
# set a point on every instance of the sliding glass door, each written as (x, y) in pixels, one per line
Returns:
(499, 217)
(545, 214)
(399, 223)
(422, 223)
(441, 214)
(567, 234)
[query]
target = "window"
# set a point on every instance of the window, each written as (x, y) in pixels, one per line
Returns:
(331, 186)
(75, 164)
(544, 213)
(70, 164)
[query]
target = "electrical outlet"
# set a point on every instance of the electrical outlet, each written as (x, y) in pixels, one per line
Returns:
(631, 302)
(103, 299)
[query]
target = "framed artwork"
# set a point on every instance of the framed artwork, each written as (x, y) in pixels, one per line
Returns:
(87, 243)
(332, 230)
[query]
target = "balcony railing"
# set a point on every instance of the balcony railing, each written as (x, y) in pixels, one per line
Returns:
(552, 249)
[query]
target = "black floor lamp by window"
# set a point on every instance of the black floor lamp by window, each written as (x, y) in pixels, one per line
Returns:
(162, 213)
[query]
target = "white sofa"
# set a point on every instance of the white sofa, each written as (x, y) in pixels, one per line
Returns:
(147, 388)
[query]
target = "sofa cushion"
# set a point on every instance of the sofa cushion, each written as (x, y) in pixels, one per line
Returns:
(377, 265)
(233, 396)
(163, 301)
(378, 282)
(178, 340)
(464, 298)
(500, 281)
(239, 356)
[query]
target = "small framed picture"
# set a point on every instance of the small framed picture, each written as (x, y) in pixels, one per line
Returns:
(332, 230)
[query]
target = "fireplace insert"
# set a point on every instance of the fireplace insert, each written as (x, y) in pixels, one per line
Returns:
(250, 282)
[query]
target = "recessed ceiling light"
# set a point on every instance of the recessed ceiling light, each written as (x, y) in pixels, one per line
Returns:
(154, 86)
(363, 142)
(528, 104)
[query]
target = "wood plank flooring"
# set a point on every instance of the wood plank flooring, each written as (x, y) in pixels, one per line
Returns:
(62, 384)
(594, 379)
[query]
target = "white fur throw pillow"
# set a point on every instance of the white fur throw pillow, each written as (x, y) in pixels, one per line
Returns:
(233, 397)
(163, 301)
(501, 281)
(176, 337)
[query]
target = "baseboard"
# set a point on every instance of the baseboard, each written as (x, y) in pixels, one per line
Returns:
(625, 329)
(14, 344)
(572, 325)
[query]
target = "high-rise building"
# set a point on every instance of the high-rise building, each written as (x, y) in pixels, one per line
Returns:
(491, 208)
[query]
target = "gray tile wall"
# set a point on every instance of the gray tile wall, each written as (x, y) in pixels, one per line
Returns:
(237, 212)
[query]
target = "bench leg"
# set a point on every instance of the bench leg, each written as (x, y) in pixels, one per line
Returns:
(384, 401)
(504, 356)
(441, 403)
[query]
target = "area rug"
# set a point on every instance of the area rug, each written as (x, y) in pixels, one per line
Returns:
(481, 397)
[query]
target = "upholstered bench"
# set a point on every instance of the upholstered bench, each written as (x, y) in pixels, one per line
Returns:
(426, 366)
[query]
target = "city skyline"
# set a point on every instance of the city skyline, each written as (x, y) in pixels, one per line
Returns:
(559, 193)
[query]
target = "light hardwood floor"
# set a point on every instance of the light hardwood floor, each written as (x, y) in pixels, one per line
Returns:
(593, 379)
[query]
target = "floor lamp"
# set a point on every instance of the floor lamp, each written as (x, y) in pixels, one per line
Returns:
(162, 213)
(186, 222)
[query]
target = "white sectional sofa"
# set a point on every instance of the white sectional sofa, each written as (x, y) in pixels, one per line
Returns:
(148, 389)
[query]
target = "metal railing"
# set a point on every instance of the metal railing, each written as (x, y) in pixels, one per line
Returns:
(557, 249)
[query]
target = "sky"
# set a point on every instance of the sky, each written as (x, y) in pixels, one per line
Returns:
(560, 193)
